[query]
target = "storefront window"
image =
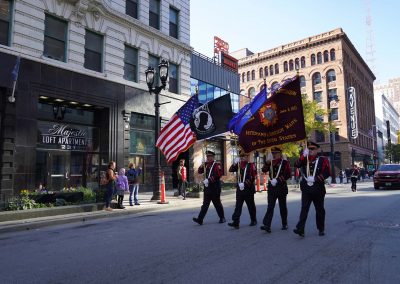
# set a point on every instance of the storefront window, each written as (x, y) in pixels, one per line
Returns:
(217, 147)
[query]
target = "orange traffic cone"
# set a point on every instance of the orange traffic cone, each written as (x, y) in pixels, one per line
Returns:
(162, 190)
(265, 182)
(258, 183)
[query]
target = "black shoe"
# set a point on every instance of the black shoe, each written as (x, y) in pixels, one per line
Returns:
(299, 232)
(198, 221)
(265, 228)
(234, 225)
(131, 204)
(253, 223)
(122, 207)
(137, 203)
(284, 227)
(222, 220)
(321, 233)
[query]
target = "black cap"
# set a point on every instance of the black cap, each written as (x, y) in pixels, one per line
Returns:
(276, 149)
(312, 144)
(210, 153)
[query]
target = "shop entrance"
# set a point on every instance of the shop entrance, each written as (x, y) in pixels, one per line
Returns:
(57, 170)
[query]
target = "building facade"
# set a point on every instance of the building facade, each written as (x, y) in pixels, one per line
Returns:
(81, 98)
(328, 64)
(391, 90)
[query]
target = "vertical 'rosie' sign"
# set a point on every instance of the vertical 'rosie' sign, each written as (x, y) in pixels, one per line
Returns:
(353, 113)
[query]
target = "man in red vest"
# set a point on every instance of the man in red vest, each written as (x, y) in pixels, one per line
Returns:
(182, 178)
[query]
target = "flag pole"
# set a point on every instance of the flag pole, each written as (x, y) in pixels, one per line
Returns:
(11, 98)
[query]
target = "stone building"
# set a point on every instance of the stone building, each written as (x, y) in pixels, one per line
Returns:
(328, 64)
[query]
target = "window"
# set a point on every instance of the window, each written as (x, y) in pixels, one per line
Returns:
(253, 75)
(334, 114)
(285, 66)
(173, 78)
(55, 34)
(217, 92)
(154, 14)
(319, 136)
(142, 134)
(248, 76)
(312, 59)
(331, 76)
(266, 71)
(243, 77)
(271, 70)
(274, 86)
(173, 22)
(235, 102)
(303, 62)
(210, 92)
(93, 51)
(319, 118)
(332, 95)
(202, 92)
(333, 56)
(337, 136)
(297, 64)
(317, 97)
(153, 62)
(291, 66)
(302, 81)
(276, 68)
(131, 8)
(252, 92)
(319, 58)
(5, 20)
(316, 78)
(326, 56)
(261, 73)
(194, 83)
(131, 64)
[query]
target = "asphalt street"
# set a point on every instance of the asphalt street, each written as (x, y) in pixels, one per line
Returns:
(361, 245)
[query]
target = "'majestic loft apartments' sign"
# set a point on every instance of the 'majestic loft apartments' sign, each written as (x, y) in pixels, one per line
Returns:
(63, 135)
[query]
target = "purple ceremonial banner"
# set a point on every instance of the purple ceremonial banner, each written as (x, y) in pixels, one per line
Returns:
(278, 121)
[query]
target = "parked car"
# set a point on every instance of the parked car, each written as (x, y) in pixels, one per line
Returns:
(387, 176)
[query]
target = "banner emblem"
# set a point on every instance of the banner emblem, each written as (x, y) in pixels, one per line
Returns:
(268, 114)
(203, 120)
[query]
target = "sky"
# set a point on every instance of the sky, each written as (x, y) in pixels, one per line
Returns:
(260, 25)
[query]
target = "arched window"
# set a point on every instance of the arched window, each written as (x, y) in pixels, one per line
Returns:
(333, 55)
(262, 87)
(303, 62)
(261, 71)
(302, 81)
(312, 59)
(326, 56)
(243, 77)
(319, 58)
(252, 92)
(276, 68)
(316, 78)
(297, 64)
(285, 66)
(271, 70)
(266, 71)
(253, 75)
(274, 86)
(331, 75)
(291, 65)
(248, 76)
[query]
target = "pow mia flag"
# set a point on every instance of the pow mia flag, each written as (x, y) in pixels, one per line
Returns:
(212, 118)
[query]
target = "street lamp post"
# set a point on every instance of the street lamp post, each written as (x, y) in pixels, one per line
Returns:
(163, 71)
(331, 139)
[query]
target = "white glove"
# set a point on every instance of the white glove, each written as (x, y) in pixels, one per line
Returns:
(274, 181)
(205, 182)
(284, 157)
(306, 152)
(237, 160)
(241, 185)
(270, 157)
(310, 181)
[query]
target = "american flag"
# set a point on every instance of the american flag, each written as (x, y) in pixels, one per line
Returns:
(176, 136)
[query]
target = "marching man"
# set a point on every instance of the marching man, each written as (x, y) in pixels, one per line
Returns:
(279, 172)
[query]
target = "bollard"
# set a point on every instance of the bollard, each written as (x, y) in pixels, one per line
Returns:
(265, 182)
(258, 183)
(162, 190)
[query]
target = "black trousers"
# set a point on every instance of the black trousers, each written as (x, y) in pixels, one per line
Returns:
(182, 188)
(215, 198)
(251, 206)
(354, 183)
(272, 197)
(318, 200)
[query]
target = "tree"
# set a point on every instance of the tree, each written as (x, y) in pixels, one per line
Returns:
(392, 153)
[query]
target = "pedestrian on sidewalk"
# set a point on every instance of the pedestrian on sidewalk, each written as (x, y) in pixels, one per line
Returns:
(212, 188)
(182, 178)
(314, 170)
(122, 187)
(133, 175)
(110, 184)
(341, 175)
(279, 172)
(354, 177)
(245, 188)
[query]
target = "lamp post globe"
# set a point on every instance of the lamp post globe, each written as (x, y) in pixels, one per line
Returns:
(163, 68)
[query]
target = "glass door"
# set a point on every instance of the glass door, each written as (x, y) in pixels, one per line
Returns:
(76, 174)
(58, 171)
